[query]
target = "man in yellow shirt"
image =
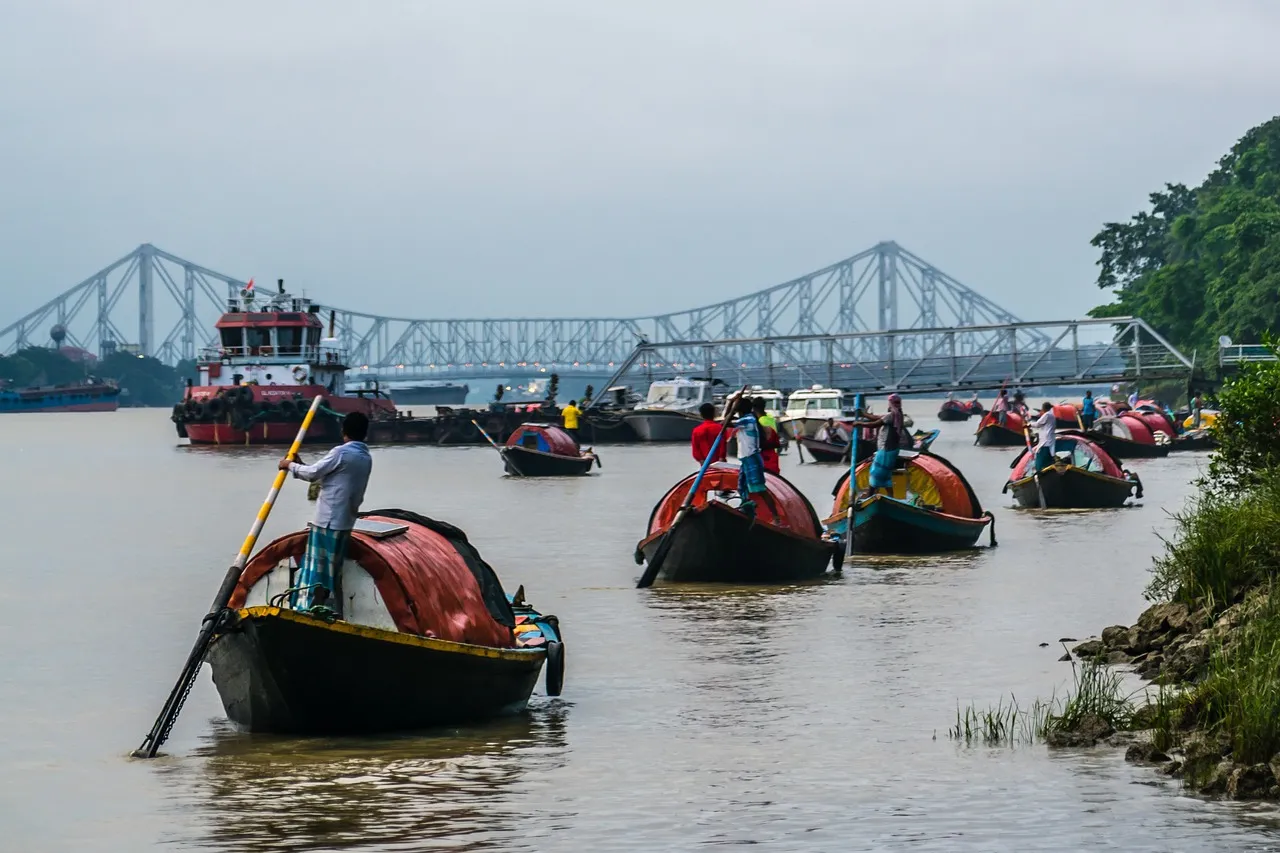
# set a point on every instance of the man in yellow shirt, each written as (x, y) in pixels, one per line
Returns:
(570, 414)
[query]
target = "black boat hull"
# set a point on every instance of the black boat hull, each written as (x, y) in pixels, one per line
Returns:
(719, 544)
(1123, 448)
(661, 424)
(524, 462)
(824, 451)
(1072, 488)
(1201, 441)
(994, 435)
(954, 415)
(279, 671)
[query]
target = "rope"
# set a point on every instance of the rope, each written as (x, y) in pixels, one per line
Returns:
(991, 531)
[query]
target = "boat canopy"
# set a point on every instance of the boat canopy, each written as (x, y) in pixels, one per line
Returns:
(794, 508)
(431, 580)
(927, 481)
(1128, 426)
(544, 438)
(1085, 455)
(816, 402)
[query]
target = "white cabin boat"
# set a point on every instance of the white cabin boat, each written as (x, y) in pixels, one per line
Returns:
(808, 410)
(670, 409)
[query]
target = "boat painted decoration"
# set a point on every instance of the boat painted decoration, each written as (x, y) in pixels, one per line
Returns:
(1083, 475)
(420, 634)
(930, 509)
(539, 450)
(719, 542)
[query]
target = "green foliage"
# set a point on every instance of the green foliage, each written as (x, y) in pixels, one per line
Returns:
(1098, 692)
(1248, 426)
(1205, 262)
(1226, 543)
(145, 381)
(1003, 725)
(39, 366)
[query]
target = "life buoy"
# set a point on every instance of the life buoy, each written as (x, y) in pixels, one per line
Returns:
(299, 373)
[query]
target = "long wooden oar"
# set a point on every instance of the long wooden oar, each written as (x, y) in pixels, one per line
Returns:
(853, 496)
(510, 460)
(187, 678)
(1035, 469)
(660, 556)
(799, 446)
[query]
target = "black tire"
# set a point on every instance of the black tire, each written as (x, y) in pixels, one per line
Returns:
(179, 412)
(555, 668)
(215, 408)
(288, 408)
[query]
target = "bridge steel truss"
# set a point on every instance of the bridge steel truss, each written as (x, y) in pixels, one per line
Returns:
(853, 303)
(1061, 352)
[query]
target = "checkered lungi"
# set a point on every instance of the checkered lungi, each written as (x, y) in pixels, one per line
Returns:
(751, 476)
(326, 549)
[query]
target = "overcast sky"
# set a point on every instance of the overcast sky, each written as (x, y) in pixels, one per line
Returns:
(603, 158)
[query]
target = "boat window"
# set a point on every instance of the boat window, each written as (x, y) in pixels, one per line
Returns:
(815, 405)
(662, 393)
(256, 339)
(687, 393)
(313, 338)
(232, 338)
(289, 340)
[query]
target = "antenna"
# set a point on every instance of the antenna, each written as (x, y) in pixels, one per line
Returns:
(333, 316)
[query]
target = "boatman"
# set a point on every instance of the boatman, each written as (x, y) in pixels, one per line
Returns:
(889, 441)
(1197, 405)
(570, 414)
(343, 474)
(1045, 426)
(1088, 411)
(769, 440)
(1000, 408)
(751, 479)
(704, 435)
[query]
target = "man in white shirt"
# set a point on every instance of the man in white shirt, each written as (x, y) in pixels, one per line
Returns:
(1045, 426)
(343, 475)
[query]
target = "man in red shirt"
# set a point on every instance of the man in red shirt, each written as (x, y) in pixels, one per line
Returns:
(704, 435)
(769, 441)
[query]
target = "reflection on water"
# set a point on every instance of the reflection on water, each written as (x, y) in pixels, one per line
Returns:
(799, 718)
(258, 792)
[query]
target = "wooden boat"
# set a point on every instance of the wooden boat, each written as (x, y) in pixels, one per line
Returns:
(932, 509)
(1130, 436)
(541, 450)
(991, 434)
(423, 635)
(955, 411)
(1196, 439)
(1082, 476)
(718, 542)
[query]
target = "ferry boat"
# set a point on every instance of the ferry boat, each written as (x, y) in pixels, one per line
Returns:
(88, 396)
(271, 360)
(808, 410)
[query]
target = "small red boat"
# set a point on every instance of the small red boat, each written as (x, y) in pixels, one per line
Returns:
(955, 411)
(1082, 476)
(1133, 435)
(538, 450)
(258, 383)
(420, 634)
(992, 434)
(719, 542)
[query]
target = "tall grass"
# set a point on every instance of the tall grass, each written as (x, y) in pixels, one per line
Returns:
(1003, 725)
(1240, 693)
(1098, 692)
(1225, 544)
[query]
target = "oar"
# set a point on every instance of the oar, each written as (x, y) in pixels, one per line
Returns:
(660, 556)
(853, 501)
(187, 678)
(1035, 469)
(509, 460)
(799, 446)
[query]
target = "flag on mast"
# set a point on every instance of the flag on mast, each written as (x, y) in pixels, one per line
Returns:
(248, 287)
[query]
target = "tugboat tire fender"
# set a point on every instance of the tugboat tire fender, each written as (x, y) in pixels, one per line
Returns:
(214, 408)
(555, 668)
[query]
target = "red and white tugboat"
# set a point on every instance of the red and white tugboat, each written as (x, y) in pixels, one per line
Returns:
(272, 359)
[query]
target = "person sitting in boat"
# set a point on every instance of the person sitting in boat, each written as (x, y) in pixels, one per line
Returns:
(1000, 408)
(830, 433)
(343, 475)
(1088, 410)
(704, 435)
(751, 481)
(1045, 426)
(889, 441)
(570, 414)
(769, 440)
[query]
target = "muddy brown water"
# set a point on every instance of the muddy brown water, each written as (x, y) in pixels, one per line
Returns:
(802, 718)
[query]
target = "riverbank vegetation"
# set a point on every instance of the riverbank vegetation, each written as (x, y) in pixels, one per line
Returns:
(1204, 262)
(143, 381)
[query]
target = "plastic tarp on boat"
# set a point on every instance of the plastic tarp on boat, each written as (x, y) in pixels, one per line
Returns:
(548, 439)
(794, 508)
(1085, 455)
(432, 581)
(925, 480)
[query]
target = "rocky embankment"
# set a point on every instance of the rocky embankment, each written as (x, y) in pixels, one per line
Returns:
(1172, 646)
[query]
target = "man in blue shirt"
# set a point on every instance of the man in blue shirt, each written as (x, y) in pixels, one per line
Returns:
(1088, 411)
(343, 474)
(751, 479)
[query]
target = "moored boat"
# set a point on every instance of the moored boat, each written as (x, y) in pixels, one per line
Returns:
(88, 396)
(809, 409)
(1196, 439)
(718, 542)
(932, 509)
(538, 450)
(420, 634)
(1082, 476)
(953, 411)
(270, 363)
(670, 410)
(1130, 436)
(991, 433)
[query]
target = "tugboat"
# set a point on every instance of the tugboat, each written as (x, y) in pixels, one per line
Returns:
(257, 384)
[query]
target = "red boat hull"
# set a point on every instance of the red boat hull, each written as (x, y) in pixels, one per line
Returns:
(284, 430)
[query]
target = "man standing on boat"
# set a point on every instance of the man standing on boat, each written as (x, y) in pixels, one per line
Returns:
(1197, 405)
(888, 445)
(343, 474)
(1045, 425)
(1001, 407)
(751, 479)
(704, 435)
(769, 441)
(1088, 411)
(570, 415)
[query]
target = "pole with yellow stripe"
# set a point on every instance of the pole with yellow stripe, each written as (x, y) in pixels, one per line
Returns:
(173, 705)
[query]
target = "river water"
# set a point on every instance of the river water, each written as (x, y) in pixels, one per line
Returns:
(801, 718)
